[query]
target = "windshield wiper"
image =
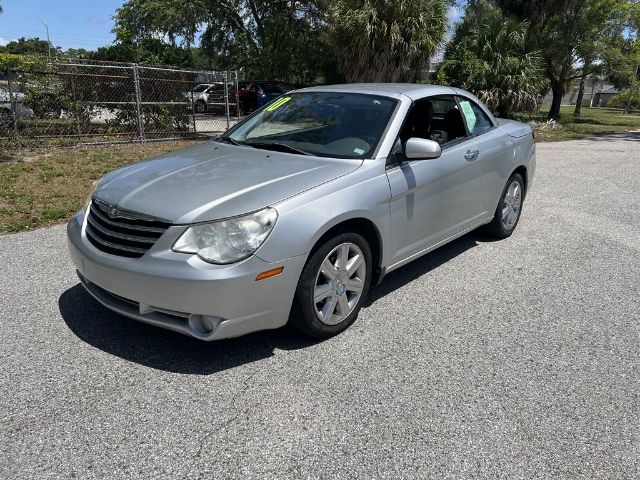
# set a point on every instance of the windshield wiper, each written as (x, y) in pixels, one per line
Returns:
(276, 146)
(229, 140)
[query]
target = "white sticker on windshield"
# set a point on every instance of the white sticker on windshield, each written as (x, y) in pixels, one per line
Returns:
(358, 151)
(469, 115)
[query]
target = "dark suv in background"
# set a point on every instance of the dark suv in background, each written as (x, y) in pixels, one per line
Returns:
(252, 94)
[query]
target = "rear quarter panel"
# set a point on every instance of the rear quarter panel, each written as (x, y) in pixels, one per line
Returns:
(517, 149)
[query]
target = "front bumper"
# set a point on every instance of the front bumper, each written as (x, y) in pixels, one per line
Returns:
(182, 293)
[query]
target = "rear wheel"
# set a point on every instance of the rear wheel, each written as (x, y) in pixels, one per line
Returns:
(200, 106)
(507, 213)
(333, 286)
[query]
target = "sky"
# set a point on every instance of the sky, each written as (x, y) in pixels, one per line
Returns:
(72, 23)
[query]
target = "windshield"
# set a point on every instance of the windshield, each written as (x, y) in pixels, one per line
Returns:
(325, 124)
(200, 88)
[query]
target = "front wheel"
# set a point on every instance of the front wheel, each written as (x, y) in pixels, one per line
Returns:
(333, 286)
(507, 213)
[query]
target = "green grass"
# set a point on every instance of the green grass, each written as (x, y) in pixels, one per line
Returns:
(43, 187)
(591, 122)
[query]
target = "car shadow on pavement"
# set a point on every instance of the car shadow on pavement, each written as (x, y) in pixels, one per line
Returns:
(165, 350)
(162, 349)
(423, 265)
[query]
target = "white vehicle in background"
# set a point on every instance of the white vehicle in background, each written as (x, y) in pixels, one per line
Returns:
(7, 111)
(206, 95)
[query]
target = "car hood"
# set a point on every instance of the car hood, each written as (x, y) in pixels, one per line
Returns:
(215, 180)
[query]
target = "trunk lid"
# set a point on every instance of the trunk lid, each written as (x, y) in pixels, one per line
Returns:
(513, 128)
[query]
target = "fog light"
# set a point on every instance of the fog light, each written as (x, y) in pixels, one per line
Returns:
(203, 324)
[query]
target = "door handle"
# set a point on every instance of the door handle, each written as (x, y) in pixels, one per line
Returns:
(471, 154)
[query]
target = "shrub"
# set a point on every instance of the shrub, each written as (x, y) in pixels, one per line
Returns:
(622, 99)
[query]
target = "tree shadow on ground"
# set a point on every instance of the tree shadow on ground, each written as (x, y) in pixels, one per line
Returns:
(165, 350)
(616, 137)
(6, 157)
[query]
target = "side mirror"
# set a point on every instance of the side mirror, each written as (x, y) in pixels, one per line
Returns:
(421, 148)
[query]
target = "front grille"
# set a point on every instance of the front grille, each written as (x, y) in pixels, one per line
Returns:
(125, 237)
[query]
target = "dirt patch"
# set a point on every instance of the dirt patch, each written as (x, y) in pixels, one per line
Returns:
(39, 187)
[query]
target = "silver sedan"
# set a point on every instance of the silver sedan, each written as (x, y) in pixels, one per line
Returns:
(293, 213)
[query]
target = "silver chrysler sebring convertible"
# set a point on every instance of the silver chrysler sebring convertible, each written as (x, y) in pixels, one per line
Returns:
(294, 212)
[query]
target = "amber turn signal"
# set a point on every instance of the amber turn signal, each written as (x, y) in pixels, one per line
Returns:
(270, 273)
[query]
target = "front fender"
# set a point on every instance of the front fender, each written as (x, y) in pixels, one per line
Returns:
(305, 218)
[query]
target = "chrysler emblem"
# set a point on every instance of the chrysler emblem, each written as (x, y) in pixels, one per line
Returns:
(113, 212)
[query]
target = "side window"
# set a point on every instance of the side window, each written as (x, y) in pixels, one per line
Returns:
(435, 118)
(477, 121)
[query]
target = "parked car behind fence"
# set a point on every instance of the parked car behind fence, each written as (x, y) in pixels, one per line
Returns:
(98, 102)
(254, 94)
(210, 97)
(9, 112)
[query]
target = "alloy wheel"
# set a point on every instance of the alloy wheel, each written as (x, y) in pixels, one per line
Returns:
(339, 283)
(511, 205)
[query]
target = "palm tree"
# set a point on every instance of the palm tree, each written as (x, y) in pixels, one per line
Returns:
(489, 56)
(384, 41)
(514, 75)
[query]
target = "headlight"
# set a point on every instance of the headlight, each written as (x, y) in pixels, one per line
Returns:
(228, 241)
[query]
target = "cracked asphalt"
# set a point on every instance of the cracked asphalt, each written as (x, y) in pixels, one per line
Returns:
(516, 359)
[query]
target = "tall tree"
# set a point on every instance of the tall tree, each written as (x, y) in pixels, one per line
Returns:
(489, 55)
(386, 41)
(598, 23)
(280, 39)
(565, 32)
(150, 51)
(623, 66)
(622, 58)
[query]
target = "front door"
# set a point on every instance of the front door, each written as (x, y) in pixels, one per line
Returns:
(433, 200)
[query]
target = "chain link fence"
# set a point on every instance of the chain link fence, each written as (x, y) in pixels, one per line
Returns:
(80, 102)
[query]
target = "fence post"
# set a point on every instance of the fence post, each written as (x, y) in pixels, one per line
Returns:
(226, 97)
(136, 87)
(75, 103)
(12, 102)
(237, 95)
(193, 114)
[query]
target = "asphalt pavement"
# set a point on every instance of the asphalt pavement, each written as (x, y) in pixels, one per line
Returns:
(516, 359)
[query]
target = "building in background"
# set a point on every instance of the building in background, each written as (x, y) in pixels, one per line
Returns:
(597, 92)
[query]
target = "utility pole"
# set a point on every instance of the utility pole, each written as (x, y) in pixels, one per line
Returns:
(48, 39)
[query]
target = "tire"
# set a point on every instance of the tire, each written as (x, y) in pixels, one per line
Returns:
(200, 106)
(349, 290)
(507, 214)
